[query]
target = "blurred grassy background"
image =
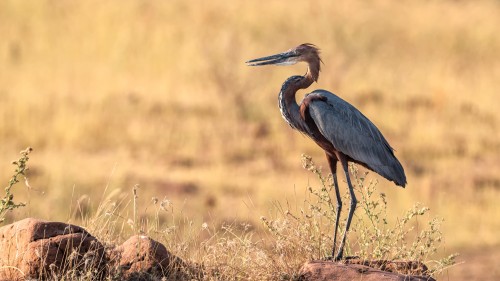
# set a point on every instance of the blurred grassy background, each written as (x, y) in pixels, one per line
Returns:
(114, 93)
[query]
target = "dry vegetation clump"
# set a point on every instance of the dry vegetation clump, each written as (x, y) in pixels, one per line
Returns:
(299, 233)
(291, 235)
(305, 233)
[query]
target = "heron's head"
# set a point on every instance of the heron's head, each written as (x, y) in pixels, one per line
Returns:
(305, 52)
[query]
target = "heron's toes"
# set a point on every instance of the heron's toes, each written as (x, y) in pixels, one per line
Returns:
(332, 258)
(327, 258)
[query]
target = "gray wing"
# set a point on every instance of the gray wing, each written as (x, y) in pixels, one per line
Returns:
(351, 133)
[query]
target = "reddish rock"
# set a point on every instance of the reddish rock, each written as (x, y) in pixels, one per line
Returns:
(402, 267)
(141, 255)
(33, 248)
(328, 270)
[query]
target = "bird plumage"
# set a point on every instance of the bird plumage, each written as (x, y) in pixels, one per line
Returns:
(343, 132)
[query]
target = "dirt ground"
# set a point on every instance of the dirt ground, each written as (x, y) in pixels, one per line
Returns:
(478, 264)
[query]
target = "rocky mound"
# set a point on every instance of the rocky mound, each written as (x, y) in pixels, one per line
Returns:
(33, 249)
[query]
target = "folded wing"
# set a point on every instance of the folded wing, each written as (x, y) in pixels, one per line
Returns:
(351, 133)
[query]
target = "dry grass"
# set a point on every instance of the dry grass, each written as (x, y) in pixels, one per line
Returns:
(292, 234)
(157, 93)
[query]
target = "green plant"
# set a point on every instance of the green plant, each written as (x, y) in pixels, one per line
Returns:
(7, 202)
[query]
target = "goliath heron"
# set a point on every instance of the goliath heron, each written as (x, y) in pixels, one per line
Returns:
(341, 130)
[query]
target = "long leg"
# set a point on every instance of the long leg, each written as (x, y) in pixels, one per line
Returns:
(343, 161)
(332, 161)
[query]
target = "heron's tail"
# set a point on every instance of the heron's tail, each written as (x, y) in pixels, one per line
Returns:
(393, 171)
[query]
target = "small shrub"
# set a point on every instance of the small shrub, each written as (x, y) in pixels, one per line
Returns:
(7, 202)
(307, 233)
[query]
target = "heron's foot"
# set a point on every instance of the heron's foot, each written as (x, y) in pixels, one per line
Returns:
(337, 258)
(327, 258)
(332, 258)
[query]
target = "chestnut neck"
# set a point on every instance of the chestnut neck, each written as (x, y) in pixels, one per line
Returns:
(287, 102)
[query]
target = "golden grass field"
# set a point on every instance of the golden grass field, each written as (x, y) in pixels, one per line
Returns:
(156, 93)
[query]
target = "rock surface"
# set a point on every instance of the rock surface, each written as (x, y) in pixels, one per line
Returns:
(352, 270)
(33, 248)
(402, 267)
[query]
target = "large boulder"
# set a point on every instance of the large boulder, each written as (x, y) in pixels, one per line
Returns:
(140, 258)
(358, 270)
(33, 248)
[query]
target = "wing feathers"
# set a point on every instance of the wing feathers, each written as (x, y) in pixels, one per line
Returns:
(351, 133)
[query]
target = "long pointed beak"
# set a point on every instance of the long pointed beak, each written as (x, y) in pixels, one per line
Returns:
(285, 58)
